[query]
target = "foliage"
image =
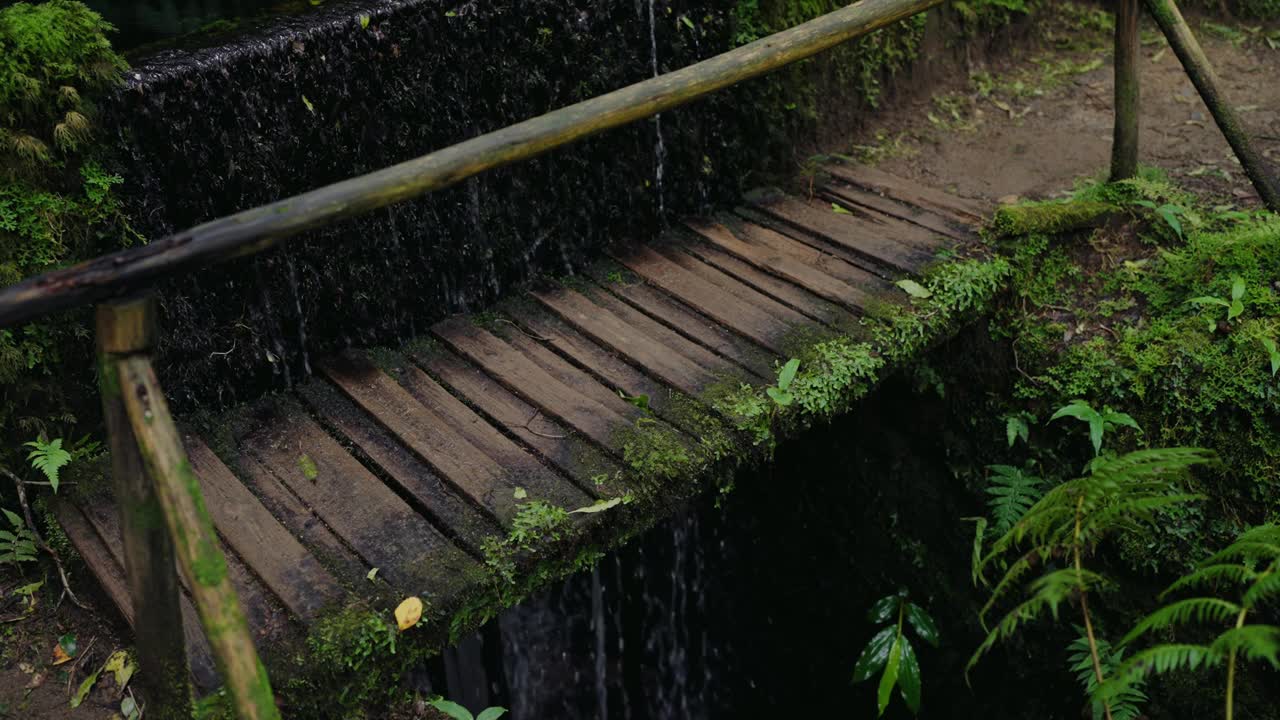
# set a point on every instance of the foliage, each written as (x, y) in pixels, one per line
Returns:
(1234, 306)
(457, 712)
(1099, 422)
(17, 545)
(890, 650)
(1126, 704)
(1012, 493)
(1250, 569)
(781, 394)
(49, 458)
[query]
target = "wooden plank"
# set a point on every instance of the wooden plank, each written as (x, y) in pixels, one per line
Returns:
(871, 203)
(707, 298)
(875, 243)
(425, 491)
(529, 380)
(569, 375)
(523, 469)
(103, 555)
(300, 520)
(577, 458)
(905, 191)
(437, 440)
(274, 555)
(841, 314)
(651, 353)
(865, 284)
(746, 354)
(736, 287)
(410, 554)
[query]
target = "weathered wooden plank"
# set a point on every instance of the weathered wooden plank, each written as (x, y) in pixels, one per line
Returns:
(410, 553)
(576, 457)
(734, 286)
(274, 555)
(648, 352)
(746, 354)
(906, 191)
(529, 380)
(873, 204)
(436, 498)
(103, 559)
(865, 284)
(876, 242)
(710, 300)
(300, 520)
(565, 372)
(782, 276)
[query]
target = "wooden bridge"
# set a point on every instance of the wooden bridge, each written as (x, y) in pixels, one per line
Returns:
(410, 465)
(395, 474)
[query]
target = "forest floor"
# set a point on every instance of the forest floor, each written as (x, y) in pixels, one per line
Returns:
(1029, 125)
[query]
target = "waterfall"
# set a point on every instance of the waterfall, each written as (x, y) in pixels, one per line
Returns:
(660, 147)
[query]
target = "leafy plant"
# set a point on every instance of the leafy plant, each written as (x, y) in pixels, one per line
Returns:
(49, 458)
(781, 393)
(1012, 494)
(457, 712)
(890, 650)
(1250, 566)
(1121, 494)
(1125, 705)
(1167, 212)
(1099, 422)
(17, 545)
(1234, 306)
(1270, 345)
(1018, 426)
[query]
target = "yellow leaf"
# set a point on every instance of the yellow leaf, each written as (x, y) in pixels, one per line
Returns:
(408, 613)
(59, 655)
(121, 667)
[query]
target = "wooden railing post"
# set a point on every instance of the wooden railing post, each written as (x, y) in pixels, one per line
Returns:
(1124, 148)
(126, 328)
(1202, 75)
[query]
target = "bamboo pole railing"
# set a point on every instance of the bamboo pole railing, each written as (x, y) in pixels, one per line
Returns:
(163, 518)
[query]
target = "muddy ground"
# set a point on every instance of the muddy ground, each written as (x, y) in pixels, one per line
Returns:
(1028, 125)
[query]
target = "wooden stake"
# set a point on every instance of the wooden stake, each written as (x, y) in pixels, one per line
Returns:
(126, 328)
(1124, 150)
(195, 541)
(1202, 75)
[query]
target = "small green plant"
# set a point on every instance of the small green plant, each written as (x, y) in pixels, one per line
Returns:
(1250, 566)
(1167, 212)
(17, 545)
(1126, 704)
(781, 393)
(1012, 493)
(457, 712)
(890, 650)
(640, 401)
(49, 458)
(1099, 422)
(1270, 346)
(1018, 426)
(1234, 306)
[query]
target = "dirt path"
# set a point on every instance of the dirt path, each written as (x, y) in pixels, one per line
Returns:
(993, 137)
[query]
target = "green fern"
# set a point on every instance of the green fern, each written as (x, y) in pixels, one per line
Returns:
(1250, 568)
(49, 458)
(1127, 705)
(1012, 495)
(18, 545)
(1121, 495)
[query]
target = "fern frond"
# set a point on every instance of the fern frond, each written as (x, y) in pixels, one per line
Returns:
(1266, 588)
(1159, 659)
(1129, 512)
(1211, 576)
(1006, 584)
(1252, 642)
(1153, 463)
(1269, 534)
(49, 458)
(1248, 551)
(1126, 703)
(1012, 495)
(1183, 611)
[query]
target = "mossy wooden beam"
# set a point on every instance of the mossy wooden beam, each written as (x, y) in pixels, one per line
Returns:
(1124, 148)
(255, 230)
(1051, 218)
(127, 328)
(182, 508)
(1203, 76)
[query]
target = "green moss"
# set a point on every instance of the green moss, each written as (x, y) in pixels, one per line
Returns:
(209, 566)
(1049, 218)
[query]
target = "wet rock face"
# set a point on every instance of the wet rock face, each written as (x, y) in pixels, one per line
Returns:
(204, 132)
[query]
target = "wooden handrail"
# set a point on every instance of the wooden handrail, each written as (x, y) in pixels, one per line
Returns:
(258, 229)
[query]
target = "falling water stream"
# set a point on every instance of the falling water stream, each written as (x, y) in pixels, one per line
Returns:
(660, 147)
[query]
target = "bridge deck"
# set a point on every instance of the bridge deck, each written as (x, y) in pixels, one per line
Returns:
(407, 463)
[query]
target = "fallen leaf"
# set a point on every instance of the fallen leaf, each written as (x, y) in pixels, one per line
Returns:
(839, 210)
(121, 667)
(914, 289)
(408, 613)
(65, 649)
(310, 107)
(129, 707)
(36, 681)
(598, 507)
(372, 574)
(520, 493)
(85, 687)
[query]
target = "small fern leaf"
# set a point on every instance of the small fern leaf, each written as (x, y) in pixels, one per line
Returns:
(1204, 610)
(1012, 494)
(1253, 642)
(1266, 589)
(49, 458)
